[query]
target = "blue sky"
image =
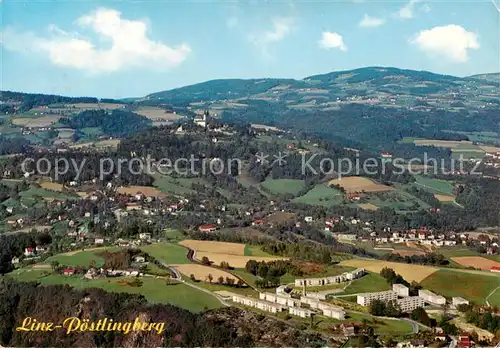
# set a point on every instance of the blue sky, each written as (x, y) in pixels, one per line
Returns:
(123, 49)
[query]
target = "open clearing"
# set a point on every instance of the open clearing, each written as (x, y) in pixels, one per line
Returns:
(283, 186)
(214, 247)
(53, 186)
(43, 121)
(157, 114)
(408, 252)
(102, 143)
(408, 271)
(476, 262)
(367, 206)
(201, 272)
(353, 184)
(443, 198)
(148, 191)
(93, 106)
(441, 143)
(322, 195)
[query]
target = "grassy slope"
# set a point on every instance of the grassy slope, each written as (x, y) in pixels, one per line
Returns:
(436, 186)
(283, 186)
(472, 286)
(322, 195)
(154, 290)
(169, 253)
(371, 282)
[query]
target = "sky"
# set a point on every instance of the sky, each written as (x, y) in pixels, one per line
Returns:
(118, 49)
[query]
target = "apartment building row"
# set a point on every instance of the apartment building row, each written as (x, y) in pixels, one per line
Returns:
(431, 297)
(344, 277)
(259, 304)
(327, 309)
(407, 303)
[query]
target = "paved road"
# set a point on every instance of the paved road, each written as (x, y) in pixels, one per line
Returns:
(491, 294)
(414, 325)
(178, 277)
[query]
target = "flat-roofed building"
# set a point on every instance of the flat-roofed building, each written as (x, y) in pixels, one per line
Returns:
(282, 300)
(367, 298)
(408, 304)
(457, 301)
(333, 312)
(431, 297)
(300, 312)
(402, 290)
(344, 277)
(260, 304)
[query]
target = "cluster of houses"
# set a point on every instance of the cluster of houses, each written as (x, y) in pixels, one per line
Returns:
(344, 277)
(308, 305)
(401, 295)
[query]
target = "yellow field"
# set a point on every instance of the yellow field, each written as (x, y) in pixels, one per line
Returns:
(214, 247)
(408, 271)
(236, 261)
(155, 113)
(43, 121)
(217, 252)
(149, 191)
(444, 198)
(102, 143)
(367, 206)
(201, 272)
(441, 143)
(476, 262)
(354, 184)
(92, 106)
(53, 186)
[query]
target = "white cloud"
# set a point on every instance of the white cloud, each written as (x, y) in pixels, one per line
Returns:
(332, 40)
(280, 29)
(128, 45)
(232, 22)
(406, 12)
(371, 22)
(452, 42)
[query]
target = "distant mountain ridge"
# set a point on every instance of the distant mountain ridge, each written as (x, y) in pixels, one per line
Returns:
(362, 81)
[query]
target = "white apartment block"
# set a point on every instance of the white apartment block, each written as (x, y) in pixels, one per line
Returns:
(317, 295)
(333, 312)
(300, 312)
(402, 290)
(431, 297)
(282, 300)
(367, 298)
(312, 302)
(408, 304)
(457, 301)
(346, 276)
(260, 304)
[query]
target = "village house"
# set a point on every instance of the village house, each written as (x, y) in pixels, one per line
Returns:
(207, 228)
(99, 240)
(69, 271)
(29, 252)
(15, 260)
(145, 236)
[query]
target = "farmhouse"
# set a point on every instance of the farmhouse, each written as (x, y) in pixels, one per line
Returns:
(495, 269)
(431, 297)
(69, 271)
(408, 304)
(207, 228)
(300, 312)
(367, 298)
(29, 252)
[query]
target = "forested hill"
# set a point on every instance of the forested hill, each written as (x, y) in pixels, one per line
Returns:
(229, 327)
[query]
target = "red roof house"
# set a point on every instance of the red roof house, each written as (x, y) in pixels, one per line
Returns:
(495, 269)
(207, 228)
